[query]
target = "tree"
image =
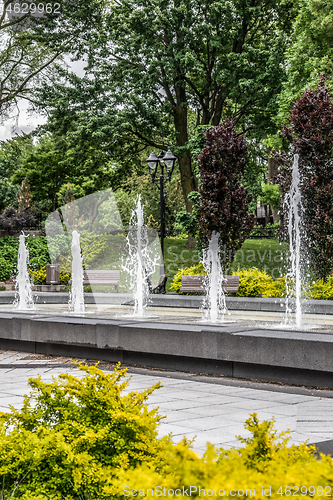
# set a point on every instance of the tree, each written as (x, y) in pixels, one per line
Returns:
(309, 133)
(224, 200)
(48, 167)
(310, 53)
(11, 152)
(271, 197)
(33, 37)
(153, 64)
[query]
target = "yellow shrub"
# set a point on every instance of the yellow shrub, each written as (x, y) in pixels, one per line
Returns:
(322, 291)
(265, 468)
(38, 277)
(253, 282)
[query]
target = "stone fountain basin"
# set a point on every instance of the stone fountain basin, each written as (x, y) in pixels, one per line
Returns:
(252, 344)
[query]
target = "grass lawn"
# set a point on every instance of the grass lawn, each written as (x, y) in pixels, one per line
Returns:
(266, 255)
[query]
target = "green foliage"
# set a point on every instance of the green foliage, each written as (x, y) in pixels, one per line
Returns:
(38, 255)
(269, 229)
(79, 438)
(73, 435)
(39, 277)
(188, 221)
(177, 281)
(261, 445)
(310, 53)
(271, 195)
(222, 59)
(38, 252)
(43, 168)
(8, 256)
(126, 197)
(64, 278)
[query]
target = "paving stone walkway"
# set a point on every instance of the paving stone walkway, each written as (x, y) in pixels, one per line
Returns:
(207, 408)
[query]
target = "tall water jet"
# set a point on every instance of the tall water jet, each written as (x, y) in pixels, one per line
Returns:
(293, 203)
(214, 301)
(24, 301)
(140, 265)
(76, 299)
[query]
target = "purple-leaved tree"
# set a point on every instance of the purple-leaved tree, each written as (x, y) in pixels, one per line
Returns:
(309, 133)
(224, 199)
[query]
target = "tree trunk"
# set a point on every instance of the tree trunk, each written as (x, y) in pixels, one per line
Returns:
(191, 242)
(180, 120)
(272, 167)
(276, 216)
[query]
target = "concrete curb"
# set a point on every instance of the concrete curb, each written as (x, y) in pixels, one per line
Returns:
(283, 356)
(183, 301)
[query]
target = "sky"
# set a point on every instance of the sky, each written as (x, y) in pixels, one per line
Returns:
(26, 121)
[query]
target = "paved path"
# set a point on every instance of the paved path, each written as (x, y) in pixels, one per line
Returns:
(212, 409)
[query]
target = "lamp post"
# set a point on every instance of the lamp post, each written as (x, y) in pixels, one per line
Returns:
(167, 162)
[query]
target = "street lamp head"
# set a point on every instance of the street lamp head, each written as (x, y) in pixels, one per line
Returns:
(152, 161)
(169, 161)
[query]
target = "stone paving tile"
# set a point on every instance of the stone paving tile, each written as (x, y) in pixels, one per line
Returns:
(157, 400)
(212, 412)
(177, 405)
(175, 416)
(251, 405)
(213, 399)
(217, 409)
(176, 430)
(279, 409)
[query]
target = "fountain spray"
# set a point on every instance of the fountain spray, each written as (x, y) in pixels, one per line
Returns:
(214, 301)
(140, 265)
(293, 203)
(24, 301)
(76, 299)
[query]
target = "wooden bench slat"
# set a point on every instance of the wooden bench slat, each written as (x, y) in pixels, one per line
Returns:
(100, 277)
(195, 284)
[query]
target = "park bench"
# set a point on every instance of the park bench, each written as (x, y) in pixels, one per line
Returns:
(100, 278)
(196, 284)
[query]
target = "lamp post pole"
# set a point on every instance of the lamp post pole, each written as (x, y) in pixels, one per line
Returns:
(162, 208)
(168, 161)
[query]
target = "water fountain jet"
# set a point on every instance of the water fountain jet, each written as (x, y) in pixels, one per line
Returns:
(293, 203)
(24, 301)
(214, 301)
(76, 299)
(140, 264)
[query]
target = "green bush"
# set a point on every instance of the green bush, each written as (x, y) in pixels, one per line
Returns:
(93, 247)
(269, 229)
(38, 255)
(38, 252)
(177, 280)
